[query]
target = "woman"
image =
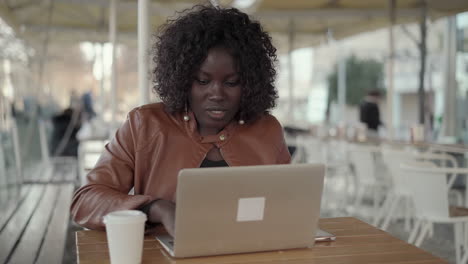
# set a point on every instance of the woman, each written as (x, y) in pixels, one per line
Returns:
(215, 76)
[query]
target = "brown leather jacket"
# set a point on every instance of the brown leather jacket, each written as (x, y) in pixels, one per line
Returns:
(152, 146)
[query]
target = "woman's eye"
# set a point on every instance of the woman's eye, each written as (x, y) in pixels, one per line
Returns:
(202, 82)
(232, 84)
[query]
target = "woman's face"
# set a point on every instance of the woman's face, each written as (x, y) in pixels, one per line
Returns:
(216, 92)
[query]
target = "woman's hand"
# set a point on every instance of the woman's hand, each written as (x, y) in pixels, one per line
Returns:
(163, 211)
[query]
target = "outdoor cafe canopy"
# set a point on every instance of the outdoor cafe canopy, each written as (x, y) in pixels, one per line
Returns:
(311, 20)
(293, 24)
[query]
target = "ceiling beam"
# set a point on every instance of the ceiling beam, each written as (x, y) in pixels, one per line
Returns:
(87, 2)
(330, 13)
(87, 33)
(102, 34)
(20, 5)
(169, 9)
(166, 10)
(154, 6)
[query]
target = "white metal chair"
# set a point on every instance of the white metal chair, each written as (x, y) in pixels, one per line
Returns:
(429, 192)
(13, 167)
(364, 163)
(312, 149)
(3, 173)
(393, 158)
(299, 153)
(17, 152)
(399, 193)
(338, 182)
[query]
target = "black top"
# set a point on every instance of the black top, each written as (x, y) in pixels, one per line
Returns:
(210, 163)
(370, 115)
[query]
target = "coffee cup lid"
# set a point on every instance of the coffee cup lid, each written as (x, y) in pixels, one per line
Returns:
(125, 217)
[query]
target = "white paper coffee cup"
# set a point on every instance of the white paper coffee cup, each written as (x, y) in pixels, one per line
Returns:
(125, 233)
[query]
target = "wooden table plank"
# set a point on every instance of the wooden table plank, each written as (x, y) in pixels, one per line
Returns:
(159, 256)
(86, 244)
(54, 241)
(13, 204)
(28, 247)
(14, 228)
(102, 247)
(357, 242)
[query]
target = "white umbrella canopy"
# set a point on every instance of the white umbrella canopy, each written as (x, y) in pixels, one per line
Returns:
(87, 20)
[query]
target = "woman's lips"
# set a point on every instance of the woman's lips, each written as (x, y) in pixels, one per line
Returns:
(216, 114)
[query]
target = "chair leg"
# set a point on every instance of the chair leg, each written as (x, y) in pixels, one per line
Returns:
(465, 258)
(375, 203)
(359, 198)
(346, 191)
(422, 235)
(390, 213)
(341, 181)
(386, 204)
(414, 233)
(458, 230)
(431, 230)
(407, 204)
(465, 227)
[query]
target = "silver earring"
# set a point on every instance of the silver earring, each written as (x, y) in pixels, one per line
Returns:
(186, 116)
(241, 121)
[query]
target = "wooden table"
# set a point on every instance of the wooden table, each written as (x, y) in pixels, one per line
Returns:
(356, 242)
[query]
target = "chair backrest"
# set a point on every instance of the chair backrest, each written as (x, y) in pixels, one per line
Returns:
(314, 149)
(393, 158)
(3, 171)
(336, 151)
(363, 161)
(17, 151)
(441, 159)
(428, 189)
(45, 153)
(10, 156)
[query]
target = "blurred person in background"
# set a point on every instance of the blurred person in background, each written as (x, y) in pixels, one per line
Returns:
(369, 112)
(65, 127)
(87, 106)
(215, 74)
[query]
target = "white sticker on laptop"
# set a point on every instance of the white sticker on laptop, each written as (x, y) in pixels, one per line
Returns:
(250, 209)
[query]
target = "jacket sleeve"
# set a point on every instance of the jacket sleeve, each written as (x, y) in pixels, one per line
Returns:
(284, 157)
(111, 179)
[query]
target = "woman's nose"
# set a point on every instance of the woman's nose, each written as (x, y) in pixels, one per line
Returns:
(216, 91)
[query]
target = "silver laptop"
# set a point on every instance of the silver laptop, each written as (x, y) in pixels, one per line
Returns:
(245, 209)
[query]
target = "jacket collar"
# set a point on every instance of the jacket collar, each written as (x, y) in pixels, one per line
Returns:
(190, 128)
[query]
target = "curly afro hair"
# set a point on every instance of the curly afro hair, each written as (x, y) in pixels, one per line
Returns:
(183, 44)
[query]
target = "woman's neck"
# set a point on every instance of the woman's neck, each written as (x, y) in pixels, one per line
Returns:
(208, 131)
